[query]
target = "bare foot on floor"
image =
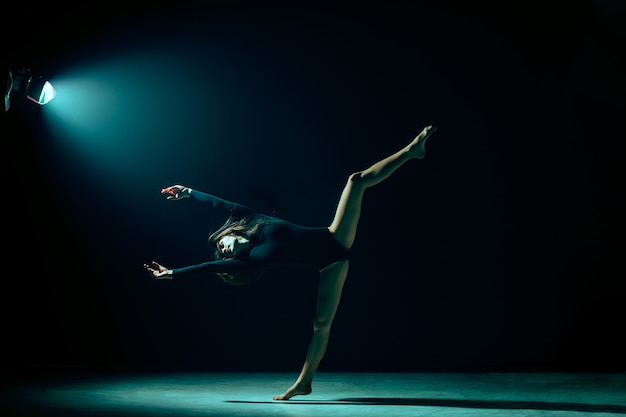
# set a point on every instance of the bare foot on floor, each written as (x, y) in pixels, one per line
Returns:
(295, 389)
(418, 147)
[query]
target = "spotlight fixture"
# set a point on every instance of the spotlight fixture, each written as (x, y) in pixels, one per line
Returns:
(25, 84)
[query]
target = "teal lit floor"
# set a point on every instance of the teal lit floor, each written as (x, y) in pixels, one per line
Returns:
(334, 394)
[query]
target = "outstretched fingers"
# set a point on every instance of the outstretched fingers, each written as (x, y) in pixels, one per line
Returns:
(170, 192)
(154, 268)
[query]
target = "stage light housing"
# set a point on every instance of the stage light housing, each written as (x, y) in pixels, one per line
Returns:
(25, 84)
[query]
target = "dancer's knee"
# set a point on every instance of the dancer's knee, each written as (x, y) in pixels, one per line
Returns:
(363, 180)
(322, 324)
(356, 179)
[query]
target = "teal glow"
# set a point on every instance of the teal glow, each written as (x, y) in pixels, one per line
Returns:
(173, 394)
(336, 394)
(123, 117)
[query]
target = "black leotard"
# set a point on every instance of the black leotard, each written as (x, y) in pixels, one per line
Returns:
(278, 242)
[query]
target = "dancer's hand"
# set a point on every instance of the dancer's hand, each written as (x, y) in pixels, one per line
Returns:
(176, 192)
(158, 271)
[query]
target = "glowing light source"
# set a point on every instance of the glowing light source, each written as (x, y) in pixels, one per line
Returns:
(32, 87)
(40, 91)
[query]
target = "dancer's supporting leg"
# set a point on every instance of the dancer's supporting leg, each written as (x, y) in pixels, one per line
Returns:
(333, 276)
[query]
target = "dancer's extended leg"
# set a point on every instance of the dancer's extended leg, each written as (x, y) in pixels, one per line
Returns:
(348, 212)
(332, 277)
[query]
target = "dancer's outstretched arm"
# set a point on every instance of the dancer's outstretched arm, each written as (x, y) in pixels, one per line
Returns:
(178, 192)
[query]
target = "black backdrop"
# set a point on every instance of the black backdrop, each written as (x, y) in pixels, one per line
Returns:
(502, 249)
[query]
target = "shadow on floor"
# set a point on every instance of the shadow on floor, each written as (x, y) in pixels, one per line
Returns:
(451, 403)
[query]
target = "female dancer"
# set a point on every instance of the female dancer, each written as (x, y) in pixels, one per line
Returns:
(250, 242)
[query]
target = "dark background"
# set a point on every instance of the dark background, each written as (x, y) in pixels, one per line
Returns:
(502, 249)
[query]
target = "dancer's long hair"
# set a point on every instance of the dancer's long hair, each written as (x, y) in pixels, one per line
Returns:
(246, 227)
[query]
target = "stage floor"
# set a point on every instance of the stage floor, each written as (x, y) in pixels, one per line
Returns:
(334, 394)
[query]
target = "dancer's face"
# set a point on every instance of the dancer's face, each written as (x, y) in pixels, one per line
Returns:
(231, 245)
